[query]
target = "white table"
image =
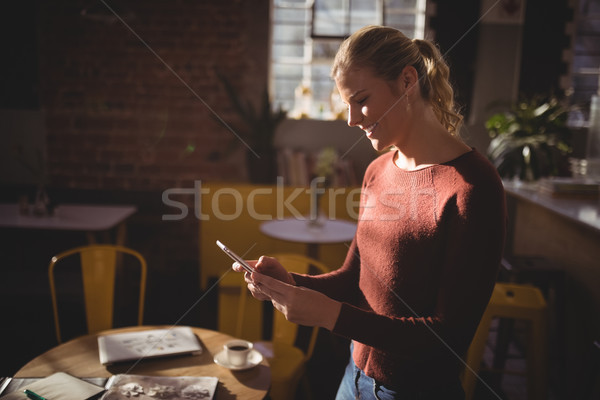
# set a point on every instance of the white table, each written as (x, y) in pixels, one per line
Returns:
(299, 230)
(88, 218)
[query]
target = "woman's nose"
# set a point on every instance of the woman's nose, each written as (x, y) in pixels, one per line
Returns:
(354, 116)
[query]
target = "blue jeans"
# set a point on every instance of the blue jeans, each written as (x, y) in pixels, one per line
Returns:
(356, 385)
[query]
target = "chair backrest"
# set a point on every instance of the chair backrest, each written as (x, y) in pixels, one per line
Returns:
(283, 330)
(99, 269)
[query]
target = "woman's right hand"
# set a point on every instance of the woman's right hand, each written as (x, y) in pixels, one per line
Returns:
(267, 266)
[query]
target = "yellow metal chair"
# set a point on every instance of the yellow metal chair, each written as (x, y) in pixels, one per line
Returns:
(288, 362)
(518, 301)
(100, 265)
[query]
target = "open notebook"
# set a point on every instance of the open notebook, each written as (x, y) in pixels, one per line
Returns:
(128, 346)
(56, 386)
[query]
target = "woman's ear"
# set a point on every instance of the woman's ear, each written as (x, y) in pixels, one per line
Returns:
(409, 79)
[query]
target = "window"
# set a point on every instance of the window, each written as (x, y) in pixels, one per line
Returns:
(586, 55)
(306, 36)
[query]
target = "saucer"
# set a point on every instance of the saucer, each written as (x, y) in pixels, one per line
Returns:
(254, 358)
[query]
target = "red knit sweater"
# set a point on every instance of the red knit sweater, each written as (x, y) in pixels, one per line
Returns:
(421, 268)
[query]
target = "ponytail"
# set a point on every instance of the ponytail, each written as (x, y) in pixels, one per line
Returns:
(435, 85)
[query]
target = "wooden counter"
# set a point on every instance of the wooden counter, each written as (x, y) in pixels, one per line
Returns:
(567, 232)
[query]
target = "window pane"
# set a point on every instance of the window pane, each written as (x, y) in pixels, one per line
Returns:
(363, 13)
(290, 15)
(389, 4)
(404, 22)
(330, 18)
(585, 58)
(288, 71)
(284, 93)
(289, 33)
(325, 48)
(285, 2)
(288, 50)
(322, 87)
(397, 20)
(363, 5)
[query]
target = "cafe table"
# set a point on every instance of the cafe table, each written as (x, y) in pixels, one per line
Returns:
(79, 357)
(93, 219)
(300, 231)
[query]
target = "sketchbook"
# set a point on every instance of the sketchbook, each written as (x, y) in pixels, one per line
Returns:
(129, 346)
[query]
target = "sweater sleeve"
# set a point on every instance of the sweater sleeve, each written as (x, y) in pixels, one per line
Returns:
(337, 284)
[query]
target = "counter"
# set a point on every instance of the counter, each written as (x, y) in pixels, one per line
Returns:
(565, 230)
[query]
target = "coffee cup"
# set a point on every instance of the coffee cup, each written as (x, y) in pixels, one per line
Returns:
(237, 352)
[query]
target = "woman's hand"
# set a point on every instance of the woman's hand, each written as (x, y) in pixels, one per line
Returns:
(266, 266)
(299, 304)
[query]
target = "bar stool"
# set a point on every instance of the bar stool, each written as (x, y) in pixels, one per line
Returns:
(549, 277)
(517, 301)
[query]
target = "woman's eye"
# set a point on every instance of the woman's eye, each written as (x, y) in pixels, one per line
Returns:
(362, 101)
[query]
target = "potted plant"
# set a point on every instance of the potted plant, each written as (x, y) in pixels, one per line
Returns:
(531, 139)
(257, 133)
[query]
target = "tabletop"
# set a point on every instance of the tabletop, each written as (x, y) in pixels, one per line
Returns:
(76, 217)
(79, 357)
(299, 230)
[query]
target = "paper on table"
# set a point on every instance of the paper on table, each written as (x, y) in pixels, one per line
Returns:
(126, 346)
(144, 387)
(57, 386)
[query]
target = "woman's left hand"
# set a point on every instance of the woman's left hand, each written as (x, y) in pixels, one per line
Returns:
(299, 304)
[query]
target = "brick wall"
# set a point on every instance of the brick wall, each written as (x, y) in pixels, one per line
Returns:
(122, 126)
(117, 117)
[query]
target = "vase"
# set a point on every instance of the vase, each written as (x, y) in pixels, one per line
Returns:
(316, 219)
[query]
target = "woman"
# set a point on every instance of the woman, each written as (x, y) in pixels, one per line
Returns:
(421, 268)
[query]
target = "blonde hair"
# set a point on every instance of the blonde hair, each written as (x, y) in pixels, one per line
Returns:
(388, 51)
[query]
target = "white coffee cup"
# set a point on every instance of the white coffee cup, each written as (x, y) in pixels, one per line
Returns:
(237, 352)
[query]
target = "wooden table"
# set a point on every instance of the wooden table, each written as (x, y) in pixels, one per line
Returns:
(299, 230)
(79, 357)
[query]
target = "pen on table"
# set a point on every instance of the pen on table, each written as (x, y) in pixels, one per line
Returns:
(33, 395)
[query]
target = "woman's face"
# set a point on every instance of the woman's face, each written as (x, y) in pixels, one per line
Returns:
(368, 99)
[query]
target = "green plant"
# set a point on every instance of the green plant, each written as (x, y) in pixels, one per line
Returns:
(531, 139)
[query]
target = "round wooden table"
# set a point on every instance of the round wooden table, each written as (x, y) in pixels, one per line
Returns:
(79, 357)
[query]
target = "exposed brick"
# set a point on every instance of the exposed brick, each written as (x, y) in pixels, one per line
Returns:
(118, 118)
